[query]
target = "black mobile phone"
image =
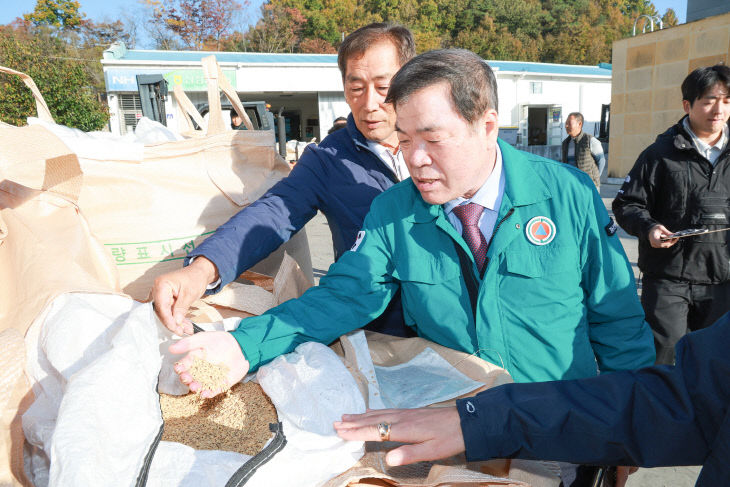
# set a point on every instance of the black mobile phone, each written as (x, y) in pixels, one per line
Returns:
(690, 232)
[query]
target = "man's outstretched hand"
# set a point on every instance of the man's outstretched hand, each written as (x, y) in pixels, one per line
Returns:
(217, 347)
(433, 433)
(174, 292)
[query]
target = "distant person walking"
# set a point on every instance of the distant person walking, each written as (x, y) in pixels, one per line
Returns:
(679, 182)
(583, 150)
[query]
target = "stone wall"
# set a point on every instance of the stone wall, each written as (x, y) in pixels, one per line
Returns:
(647, 71)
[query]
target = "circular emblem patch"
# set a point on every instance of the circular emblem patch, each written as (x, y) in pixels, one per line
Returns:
(540, 230)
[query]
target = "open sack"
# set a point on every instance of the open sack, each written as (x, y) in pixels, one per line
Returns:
(98, 361)
(96, 213)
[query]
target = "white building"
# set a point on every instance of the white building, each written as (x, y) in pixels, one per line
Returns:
(534, 98)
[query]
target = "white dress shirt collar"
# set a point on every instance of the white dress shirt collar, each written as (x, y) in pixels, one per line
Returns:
(490, 194)
(709, 152)
(394, 162)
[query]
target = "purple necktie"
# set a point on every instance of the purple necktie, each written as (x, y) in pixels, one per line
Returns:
(469, 215)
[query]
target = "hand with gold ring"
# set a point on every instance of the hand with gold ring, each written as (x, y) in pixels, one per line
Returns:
(432, 433)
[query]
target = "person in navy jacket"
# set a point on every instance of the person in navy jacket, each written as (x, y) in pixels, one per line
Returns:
(652, 417)
(340, 178)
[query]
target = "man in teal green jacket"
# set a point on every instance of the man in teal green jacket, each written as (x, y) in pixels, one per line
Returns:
(538, 283)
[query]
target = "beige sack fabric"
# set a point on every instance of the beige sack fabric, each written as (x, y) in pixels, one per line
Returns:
(46, 246)
(150, 206)
(372, 471)
(14, 400)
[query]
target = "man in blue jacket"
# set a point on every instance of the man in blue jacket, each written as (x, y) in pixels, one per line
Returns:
(340, 178)
(653, 417)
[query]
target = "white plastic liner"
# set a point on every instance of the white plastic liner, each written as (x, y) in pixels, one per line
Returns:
(97, 361)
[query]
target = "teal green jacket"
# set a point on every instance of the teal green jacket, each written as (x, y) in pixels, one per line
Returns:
(561, 310)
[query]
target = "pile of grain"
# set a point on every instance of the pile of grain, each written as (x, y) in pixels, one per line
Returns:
(210, 376)
(235, 421)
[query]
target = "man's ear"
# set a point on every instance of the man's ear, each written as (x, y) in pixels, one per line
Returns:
(490, 122)
(687, 106)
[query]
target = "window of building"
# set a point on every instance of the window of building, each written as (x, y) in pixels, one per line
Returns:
(130, 111)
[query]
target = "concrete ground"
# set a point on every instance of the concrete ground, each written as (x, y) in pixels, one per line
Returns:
(320, 244)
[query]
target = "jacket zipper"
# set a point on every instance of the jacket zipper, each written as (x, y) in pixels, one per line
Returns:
(489, 244)
(472, 285)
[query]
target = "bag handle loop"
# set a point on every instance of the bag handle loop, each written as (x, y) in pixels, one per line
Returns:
(41, 107)
(189, 111)
(217, 81)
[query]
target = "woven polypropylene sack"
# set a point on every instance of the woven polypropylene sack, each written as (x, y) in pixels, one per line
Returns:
(15, 396)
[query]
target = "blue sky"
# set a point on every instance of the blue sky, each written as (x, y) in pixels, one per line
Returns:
(112, 9)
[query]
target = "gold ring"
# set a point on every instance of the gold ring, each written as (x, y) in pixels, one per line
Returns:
(384, 431)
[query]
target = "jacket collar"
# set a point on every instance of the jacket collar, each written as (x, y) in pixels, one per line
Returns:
(357, 137)
(682, 139)
(580, 137)
(522, 186)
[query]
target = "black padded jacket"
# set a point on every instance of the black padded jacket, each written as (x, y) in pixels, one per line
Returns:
(673, 184)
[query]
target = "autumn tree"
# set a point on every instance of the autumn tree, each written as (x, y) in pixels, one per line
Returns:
(278, 30)
(192, 24)
(492, 41)
(104, 33)
(56, 13)
(669, 19)
(563, 31)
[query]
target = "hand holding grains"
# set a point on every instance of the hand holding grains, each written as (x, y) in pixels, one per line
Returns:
(237, 420)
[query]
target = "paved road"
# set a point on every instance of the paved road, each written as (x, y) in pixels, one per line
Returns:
(320, 245)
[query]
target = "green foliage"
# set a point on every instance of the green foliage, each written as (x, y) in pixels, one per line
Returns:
(62, 80)
(56, 13)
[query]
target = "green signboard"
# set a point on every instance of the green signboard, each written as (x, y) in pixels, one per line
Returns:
(194, 79)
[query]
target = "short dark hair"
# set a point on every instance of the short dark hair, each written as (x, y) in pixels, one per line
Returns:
(577, 115)
(365, 37)
(701, 80)
(472, 82)
(340, 122)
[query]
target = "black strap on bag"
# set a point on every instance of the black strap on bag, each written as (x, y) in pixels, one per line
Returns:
(244, 473)
(247, 470)
(145, 471)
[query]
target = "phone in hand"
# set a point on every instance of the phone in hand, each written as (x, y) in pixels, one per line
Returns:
(690, 232)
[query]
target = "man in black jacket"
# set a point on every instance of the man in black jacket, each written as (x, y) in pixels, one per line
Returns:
(679, 182)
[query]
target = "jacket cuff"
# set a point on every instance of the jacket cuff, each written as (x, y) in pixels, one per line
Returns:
(213, 287)
(475, 421)
(646, 226)
(251, 350)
